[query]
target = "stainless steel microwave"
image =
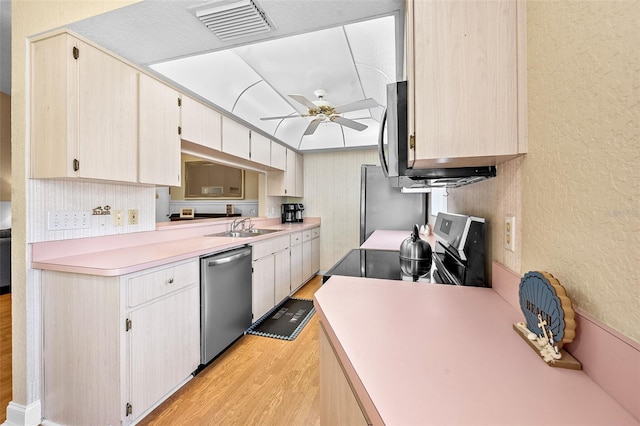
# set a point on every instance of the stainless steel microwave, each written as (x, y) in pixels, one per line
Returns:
(393, 148)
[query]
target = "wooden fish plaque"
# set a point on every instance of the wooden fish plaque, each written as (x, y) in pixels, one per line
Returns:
(549, 318)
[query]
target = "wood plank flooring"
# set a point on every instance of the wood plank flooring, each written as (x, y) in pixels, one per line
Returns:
(5, 355)
(258, 381)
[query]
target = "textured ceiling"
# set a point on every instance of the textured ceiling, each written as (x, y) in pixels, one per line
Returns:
(316, 44)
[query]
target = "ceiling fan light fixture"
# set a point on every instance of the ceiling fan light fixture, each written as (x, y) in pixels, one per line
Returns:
(230, 19)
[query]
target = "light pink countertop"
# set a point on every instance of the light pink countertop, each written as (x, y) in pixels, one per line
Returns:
(122, 254)
(429, 354)
(391, 240)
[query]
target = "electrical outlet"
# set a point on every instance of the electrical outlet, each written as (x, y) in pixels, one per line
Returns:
(133, 216)
(118, 218)
(510, 233)
(59, 220)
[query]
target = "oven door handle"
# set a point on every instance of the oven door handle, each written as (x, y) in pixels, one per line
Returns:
(444, 273)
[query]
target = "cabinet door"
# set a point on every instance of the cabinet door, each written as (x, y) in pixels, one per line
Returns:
(278, 156)
(200, 124)
(282, 275)
(296, 266)
(465, 78)
(263, 290)
(164, 343)
(159, 139)
(260, 149)
(315, 255)
(307, 262)
(338, 404)
(107, 143)
(235, 138)
(299, 176)
(54, 99)
(290, 174)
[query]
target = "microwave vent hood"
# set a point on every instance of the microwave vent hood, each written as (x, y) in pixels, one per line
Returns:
(393, 151)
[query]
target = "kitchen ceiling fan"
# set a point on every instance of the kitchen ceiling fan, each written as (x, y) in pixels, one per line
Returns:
(322, 110)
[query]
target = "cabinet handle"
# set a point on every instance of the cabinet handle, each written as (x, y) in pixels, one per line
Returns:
(170, 281)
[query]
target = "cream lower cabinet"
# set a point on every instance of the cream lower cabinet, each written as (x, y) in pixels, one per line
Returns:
(296, 261)
(114, 347)
(270, 262)
(338, 403)
(310, 253)
(263, 286)
(282, 274)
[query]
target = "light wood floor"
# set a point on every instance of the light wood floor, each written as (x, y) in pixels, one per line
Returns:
(5, 354)
(258, 381)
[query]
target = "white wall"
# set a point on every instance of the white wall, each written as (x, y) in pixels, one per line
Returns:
(332, 192)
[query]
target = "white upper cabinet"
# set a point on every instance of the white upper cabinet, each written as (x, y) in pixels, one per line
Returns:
(84, 120)
(235, 138)
(466, 68)
(260, 149)
(289, 183)
(159, 142)
(278, 156)
(200, 124)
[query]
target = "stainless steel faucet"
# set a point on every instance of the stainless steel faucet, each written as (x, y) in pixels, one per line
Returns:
(237, 222)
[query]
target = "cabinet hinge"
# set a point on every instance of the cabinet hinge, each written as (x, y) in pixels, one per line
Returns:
(76, 52)
(179, 101)
(127, 325)
(179, 130)
(129, 409)
(76, 165)
(412, 142)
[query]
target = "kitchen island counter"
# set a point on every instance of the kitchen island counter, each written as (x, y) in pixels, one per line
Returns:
(419, 354)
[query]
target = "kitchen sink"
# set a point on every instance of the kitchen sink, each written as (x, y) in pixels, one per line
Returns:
(255, 232)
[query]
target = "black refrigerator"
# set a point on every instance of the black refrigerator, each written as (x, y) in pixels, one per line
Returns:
(385, 207)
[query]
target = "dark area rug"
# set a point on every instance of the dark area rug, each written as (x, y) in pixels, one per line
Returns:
(284, 321)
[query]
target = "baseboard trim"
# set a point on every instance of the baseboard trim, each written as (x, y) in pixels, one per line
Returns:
(23, 415)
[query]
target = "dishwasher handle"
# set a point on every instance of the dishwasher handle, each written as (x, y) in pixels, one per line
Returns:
(226, 259)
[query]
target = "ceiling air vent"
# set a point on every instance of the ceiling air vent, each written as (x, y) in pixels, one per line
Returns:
(233, 19)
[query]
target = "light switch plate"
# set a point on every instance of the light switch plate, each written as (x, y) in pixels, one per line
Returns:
(118, 218)
(510, 233)
(59, 220)
(133, 216)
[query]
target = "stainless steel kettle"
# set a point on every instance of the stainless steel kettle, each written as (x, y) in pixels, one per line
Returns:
(415, 255)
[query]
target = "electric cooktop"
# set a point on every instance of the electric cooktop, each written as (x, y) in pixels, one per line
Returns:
(383, 264)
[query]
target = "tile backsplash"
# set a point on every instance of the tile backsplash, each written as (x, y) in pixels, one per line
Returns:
(46, 195)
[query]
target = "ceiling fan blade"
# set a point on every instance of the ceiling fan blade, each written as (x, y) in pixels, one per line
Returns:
(304, 101)
(282, 116)
(348, 123)
(313, 126)
(354, 106)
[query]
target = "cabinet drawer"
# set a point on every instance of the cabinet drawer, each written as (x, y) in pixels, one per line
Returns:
(306, 235)
(295, 238)
(315, 232)
(270, 246)
(161, 281)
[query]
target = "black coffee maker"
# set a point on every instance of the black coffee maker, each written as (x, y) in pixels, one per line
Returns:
(291, 212)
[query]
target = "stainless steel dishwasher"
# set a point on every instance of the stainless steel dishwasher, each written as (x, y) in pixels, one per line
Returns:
(225, 300)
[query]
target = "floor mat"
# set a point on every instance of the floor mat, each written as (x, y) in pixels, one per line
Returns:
(284, 321)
